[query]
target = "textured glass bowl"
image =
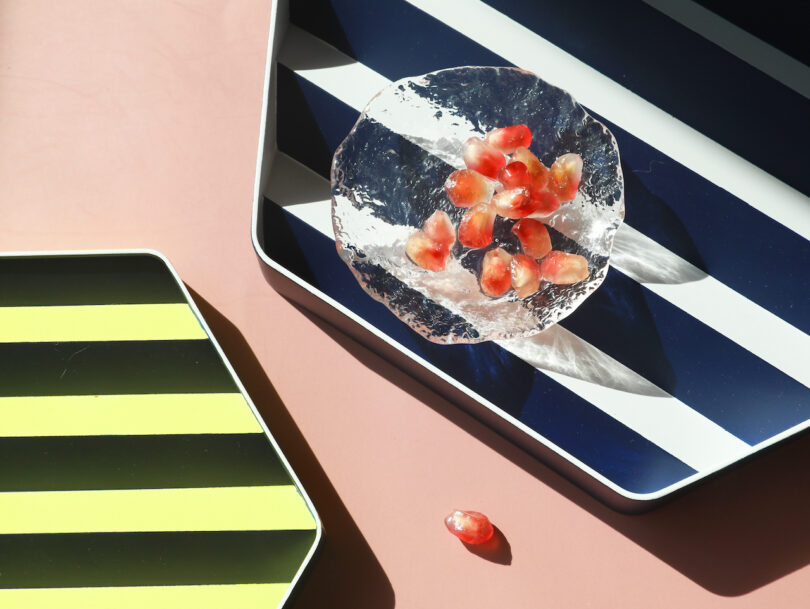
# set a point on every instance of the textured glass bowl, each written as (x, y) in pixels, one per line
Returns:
(388, 177)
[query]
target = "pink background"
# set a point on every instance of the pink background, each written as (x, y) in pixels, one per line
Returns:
(135, 124)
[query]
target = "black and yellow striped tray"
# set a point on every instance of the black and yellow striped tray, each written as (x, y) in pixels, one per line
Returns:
(134, 469)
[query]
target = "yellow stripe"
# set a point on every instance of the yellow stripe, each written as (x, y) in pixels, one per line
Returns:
(94, 415)
(246, 508)
(241, 596)
(99, 322)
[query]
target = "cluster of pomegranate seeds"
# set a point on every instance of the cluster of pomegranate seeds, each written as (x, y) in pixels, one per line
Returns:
(494, 184)
(470, 527)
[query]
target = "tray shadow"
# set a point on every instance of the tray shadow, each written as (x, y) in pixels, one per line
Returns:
(734, 533)
(345, 566)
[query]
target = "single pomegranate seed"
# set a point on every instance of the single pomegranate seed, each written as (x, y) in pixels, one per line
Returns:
(426, 253)
(495, 277)
(514, 203)
(439, 228)
(544, 202)
(483, 158)
(563, 268)
(475, 229)
(537, 171)
(466, 188)
(533, 236)
(507, 139)
(514, 175)
(469, 527)
(525, 275)
(564, 176)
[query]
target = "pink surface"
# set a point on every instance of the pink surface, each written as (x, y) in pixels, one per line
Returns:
(135, 124)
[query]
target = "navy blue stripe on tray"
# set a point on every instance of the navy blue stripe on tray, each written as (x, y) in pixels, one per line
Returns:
(628, 41)
(714, 230)
(669, 203)
(688, 359)
(572, 423)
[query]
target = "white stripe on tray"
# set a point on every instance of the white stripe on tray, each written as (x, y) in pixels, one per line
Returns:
(596, 377)
(522, 47)
(738, 42)
(663, 272)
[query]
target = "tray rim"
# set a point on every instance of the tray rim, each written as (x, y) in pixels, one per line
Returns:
(265, 429)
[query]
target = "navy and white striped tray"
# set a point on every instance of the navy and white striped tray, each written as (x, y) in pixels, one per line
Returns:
(694, 353)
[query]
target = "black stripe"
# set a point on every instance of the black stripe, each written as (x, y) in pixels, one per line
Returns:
(134, 462)
(151, 559)
(96, 368)
(311, 123)
(778, 24)
(84, 280)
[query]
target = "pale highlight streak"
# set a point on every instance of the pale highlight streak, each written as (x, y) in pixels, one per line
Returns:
(246, 508)
(241, 596)
(126, 415)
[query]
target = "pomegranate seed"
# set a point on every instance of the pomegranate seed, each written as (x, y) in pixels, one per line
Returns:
(495, 276)
(426, 253)
(533, 236)
(514, 203)
(525, 275)
(469, 527)
(537, 171)
(466, 187)
(563, 268)
(544, 202)
(564, 176)
(514, 175)
(439, 228)
(475, 229)
(483, 158)
(507, 139)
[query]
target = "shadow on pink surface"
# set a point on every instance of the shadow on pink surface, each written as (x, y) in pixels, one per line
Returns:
(345, 558)
(736, 532)
(496, 549)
